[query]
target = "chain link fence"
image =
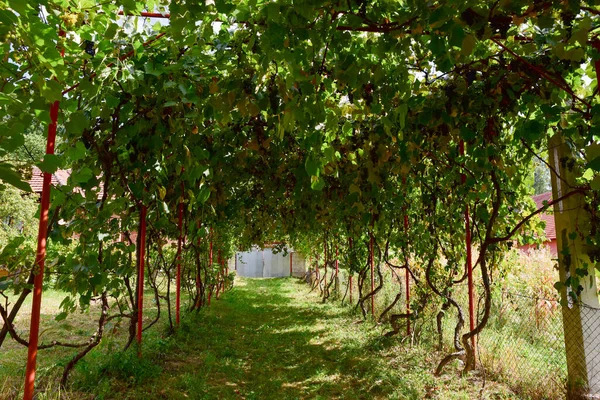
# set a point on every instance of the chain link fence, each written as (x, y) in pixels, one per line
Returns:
(523, 346)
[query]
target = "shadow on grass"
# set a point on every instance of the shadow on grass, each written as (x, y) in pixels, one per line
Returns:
(271, 339)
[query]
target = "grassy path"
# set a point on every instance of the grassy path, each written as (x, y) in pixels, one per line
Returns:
(272, 339)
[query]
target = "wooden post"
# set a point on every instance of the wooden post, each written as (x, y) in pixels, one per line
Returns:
(580, 322)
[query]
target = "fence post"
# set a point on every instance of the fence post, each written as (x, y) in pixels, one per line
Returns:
(291, 263)
(581, 326)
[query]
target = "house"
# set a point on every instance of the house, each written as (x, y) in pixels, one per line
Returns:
(549, 230)
(59, 178)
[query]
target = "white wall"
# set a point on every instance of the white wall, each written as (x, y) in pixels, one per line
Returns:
(265, 264)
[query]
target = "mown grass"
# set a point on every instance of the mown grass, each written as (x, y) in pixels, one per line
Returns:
(272, 339)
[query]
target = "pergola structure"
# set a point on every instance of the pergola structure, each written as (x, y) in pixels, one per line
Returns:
(404, 130)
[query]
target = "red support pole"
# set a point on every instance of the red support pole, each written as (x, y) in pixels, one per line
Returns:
(291, 262)
(469, 258)
(40, 258)
(179, 244)
(210, 261)
(372, 275)
(40, 262)
(220, 285)
(142, 257)
(198, 303)
(407, 280)
(325, 264)
(350, 278)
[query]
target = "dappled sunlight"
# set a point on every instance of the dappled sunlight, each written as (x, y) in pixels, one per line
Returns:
(274, 339)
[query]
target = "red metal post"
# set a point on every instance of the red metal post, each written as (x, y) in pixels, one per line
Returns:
(179, 244)
(372, 274)
(324, 264)
(40, 262)
(210, 261)
(350, 271)
(142, 257)
(407, 280)
(40, 258)
(220, 285)
(469, 258)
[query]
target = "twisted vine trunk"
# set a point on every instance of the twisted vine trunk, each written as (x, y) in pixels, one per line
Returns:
(94, 341)
(15, 308)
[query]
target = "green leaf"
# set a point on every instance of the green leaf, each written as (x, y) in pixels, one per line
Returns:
(317, 183)
(311, 166)
(402, 112)
(347, 128)
(50, 163)
(77, 123)
(60, 316)
(572, 235)
(531, 130)
(8, 175)
(203, 195)
(111, 31)
(82, 176)
(437, 45)
(77, 152)
(457, 35)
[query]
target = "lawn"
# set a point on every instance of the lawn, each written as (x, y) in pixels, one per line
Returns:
(270, 339)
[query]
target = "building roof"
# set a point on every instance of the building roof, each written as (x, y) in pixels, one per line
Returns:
(59, 178)
(547, 218)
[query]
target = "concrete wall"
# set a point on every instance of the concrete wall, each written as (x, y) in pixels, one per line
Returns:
(266, 264)
(298, 265)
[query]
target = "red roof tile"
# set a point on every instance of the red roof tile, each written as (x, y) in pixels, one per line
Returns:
(547, 218)
(59, 178)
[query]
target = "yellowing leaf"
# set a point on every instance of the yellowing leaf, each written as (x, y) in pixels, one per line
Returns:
(468, 45)
(213, 87)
